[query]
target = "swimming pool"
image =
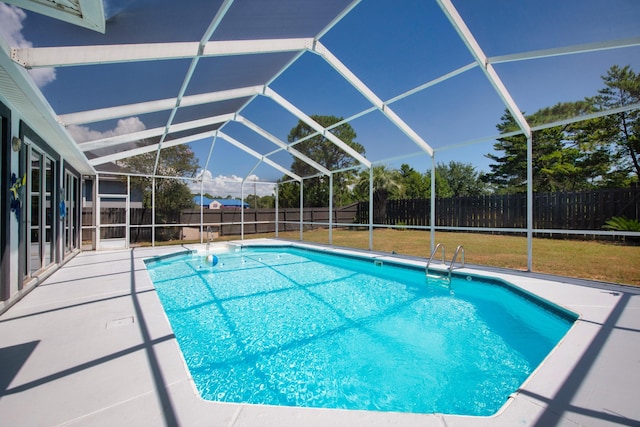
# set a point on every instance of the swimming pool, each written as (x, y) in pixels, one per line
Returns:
(295, 327)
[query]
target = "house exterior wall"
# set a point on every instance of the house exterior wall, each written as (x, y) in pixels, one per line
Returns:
(17, 278)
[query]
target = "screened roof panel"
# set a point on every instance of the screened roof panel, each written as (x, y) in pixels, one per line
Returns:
(111, 85)
(503, 27)
(109, 149)
(282, 158)
(467, 101)
(314, 87)
(273, 19)
(111, 168)
(230, 72)
(395, 48)
(129, 21)
(258, 142)
(203, 111)
(544, 82)
(248, 137)
(270, 116)
(114, 127)
(222, 152)
(381, 139)
(192, 131)
(201, 148)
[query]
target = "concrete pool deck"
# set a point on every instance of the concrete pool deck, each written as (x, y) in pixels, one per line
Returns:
(91, 345)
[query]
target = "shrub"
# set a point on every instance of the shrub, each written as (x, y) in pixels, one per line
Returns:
(621, 223)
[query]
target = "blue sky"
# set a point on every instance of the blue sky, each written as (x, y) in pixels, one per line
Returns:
(392, 47)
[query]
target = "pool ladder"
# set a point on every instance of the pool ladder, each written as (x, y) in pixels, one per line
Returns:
(459, 249)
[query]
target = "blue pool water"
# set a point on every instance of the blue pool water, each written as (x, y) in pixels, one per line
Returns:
(294, 327)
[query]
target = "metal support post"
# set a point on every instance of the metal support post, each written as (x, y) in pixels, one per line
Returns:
(242, 210)
(153, 211)
(432, 213)
(330, 209)
(127, 235)
(530, 203)
(277, 215)
(370, 208)
(301, 206)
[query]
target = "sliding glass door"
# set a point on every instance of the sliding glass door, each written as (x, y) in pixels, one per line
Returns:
(34, 212)
(41, 211)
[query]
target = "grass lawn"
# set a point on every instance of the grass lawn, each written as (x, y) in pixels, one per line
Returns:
(604, 261)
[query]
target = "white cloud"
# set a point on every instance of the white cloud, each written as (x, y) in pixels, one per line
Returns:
(43, 76)
(124, 126)
(230, 185)
(11, 19)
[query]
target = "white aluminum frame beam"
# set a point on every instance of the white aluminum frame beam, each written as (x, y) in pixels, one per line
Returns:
(257, 129)
(149, 148)
(67, 56)
(270, 93)
(257, 155)
(351, 78)
(149, 133)
(480, 57)
(567, 50)
(101, 114)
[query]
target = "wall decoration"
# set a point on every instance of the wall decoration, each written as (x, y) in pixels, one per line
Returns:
(16, 192)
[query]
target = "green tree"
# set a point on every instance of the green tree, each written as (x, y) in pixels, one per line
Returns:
(551, 164)
(568, 157)
(288, 194)
(172, 195)
(320, 149)
(416, 185)
(387, 184)
(252, 200)
(460, 179)
(267, 202)
(600, 152)
(622, 130)
(260, 202)
(509, 168)
(442, 185)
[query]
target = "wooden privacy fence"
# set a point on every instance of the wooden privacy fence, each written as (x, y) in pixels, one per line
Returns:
(227, 221)
(586, 210)
(223, 221)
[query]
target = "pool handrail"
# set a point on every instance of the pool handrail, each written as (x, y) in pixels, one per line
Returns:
(433, 253)
(453, 260)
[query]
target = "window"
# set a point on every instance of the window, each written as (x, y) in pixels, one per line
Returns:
(40, 217)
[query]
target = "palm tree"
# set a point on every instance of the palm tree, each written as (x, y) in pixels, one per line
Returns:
(386, 183)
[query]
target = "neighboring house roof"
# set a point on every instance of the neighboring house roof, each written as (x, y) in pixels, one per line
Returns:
(231, 203)
(205, 201)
